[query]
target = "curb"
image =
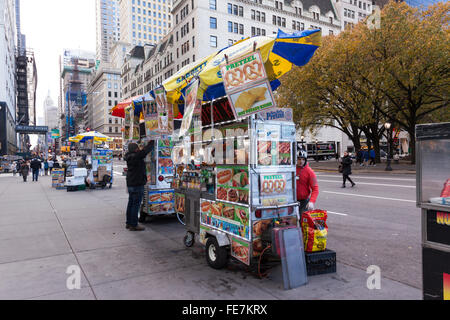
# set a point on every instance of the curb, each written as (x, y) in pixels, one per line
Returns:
(364, 171)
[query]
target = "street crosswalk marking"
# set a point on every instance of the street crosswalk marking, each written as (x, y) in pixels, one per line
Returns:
(366, 177)
(372, 184)
(367, 196)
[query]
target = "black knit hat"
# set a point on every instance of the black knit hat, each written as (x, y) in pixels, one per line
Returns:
(132, 147)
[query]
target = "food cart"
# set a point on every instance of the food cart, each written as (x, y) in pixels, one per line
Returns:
(433, 197)
(100, 171)
(232, 201)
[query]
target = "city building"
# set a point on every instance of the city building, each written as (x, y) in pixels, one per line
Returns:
(108, 27)
(8, 39)
(352, 12)
(76, 68)
(203, 27)
(144, 22)
(50, 113)
(104, 93)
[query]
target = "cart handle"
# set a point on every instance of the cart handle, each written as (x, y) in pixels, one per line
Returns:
(274, 207)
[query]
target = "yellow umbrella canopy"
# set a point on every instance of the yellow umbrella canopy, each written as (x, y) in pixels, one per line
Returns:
(96, 136)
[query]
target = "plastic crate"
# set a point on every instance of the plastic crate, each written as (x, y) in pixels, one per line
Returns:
(321, 262)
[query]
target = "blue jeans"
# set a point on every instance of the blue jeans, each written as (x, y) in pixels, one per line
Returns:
(135, 195)
(35, 175)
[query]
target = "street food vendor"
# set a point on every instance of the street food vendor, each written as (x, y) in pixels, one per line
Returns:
(307, 187)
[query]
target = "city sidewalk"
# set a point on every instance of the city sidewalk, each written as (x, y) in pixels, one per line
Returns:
(403, 167)
(44, 231)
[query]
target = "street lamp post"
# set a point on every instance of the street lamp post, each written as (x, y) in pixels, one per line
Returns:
(387, 125)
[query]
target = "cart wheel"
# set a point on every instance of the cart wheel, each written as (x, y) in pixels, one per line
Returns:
(189, 239)
(217, 257)
(182, 218)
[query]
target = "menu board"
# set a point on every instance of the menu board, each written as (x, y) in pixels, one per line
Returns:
(246, 84)
(273, 189)
(127, 124)
(240, 250)
(274, 153)
(180, 200)
(58, 178)
(190, 106)
(165, 164)
(150, 111)
(161, 201)
(103, 156)
(227, 217)
(232, 184)
(165, 114)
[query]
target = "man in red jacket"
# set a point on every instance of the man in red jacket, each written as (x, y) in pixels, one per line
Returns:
(307, 187)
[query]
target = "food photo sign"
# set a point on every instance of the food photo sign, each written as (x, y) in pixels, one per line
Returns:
(165, 114)
(246, 84)
(227, 217)
(150, 110)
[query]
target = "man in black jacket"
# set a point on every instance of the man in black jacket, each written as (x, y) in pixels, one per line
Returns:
(35, 166)
(136, 180)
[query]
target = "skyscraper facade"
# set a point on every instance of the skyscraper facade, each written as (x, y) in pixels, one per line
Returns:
(8, 42)
(108, 27)
(144, 21)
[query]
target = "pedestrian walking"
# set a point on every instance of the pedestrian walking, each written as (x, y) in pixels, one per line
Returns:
(35, 167)
(359, 157)
(307, 187)
(372, 157)
(366, 157)
(136, 180)
(346, 169)
(24, 170)
(46, 167)
(14, 168)
(50, 165)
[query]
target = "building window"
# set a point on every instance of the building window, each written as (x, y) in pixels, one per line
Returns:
(213, 41)
(230, 26)
(213, 23)
(212, 5)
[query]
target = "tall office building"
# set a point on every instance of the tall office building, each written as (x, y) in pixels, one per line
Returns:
(203, 27)
(76, 70)
(50, 113)
(8, 39)
(144, 21)
(108, 27)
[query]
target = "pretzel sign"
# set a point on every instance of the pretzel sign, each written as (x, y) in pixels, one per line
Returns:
(234, 78)
(243, 71)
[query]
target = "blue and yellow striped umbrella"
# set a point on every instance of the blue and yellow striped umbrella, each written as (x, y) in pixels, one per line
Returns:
(278, 52)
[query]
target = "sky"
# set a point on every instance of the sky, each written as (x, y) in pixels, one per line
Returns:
(51, 26)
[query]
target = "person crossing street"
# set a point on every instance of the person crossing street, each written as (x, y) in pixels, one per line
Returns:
(346, 169)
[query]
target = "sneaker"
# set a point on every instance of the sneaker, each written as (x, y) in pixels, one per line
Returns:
(343, 186)
(353, 184)
(137, 228)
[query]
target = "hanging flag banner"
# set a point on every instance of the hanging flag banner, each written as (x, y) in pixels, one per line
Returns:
(150, 112)
(165, 115)
(190, 107)
(246, 84)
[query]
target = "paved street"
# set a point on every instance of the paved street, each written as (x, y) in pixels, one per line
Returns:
(43, 231)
